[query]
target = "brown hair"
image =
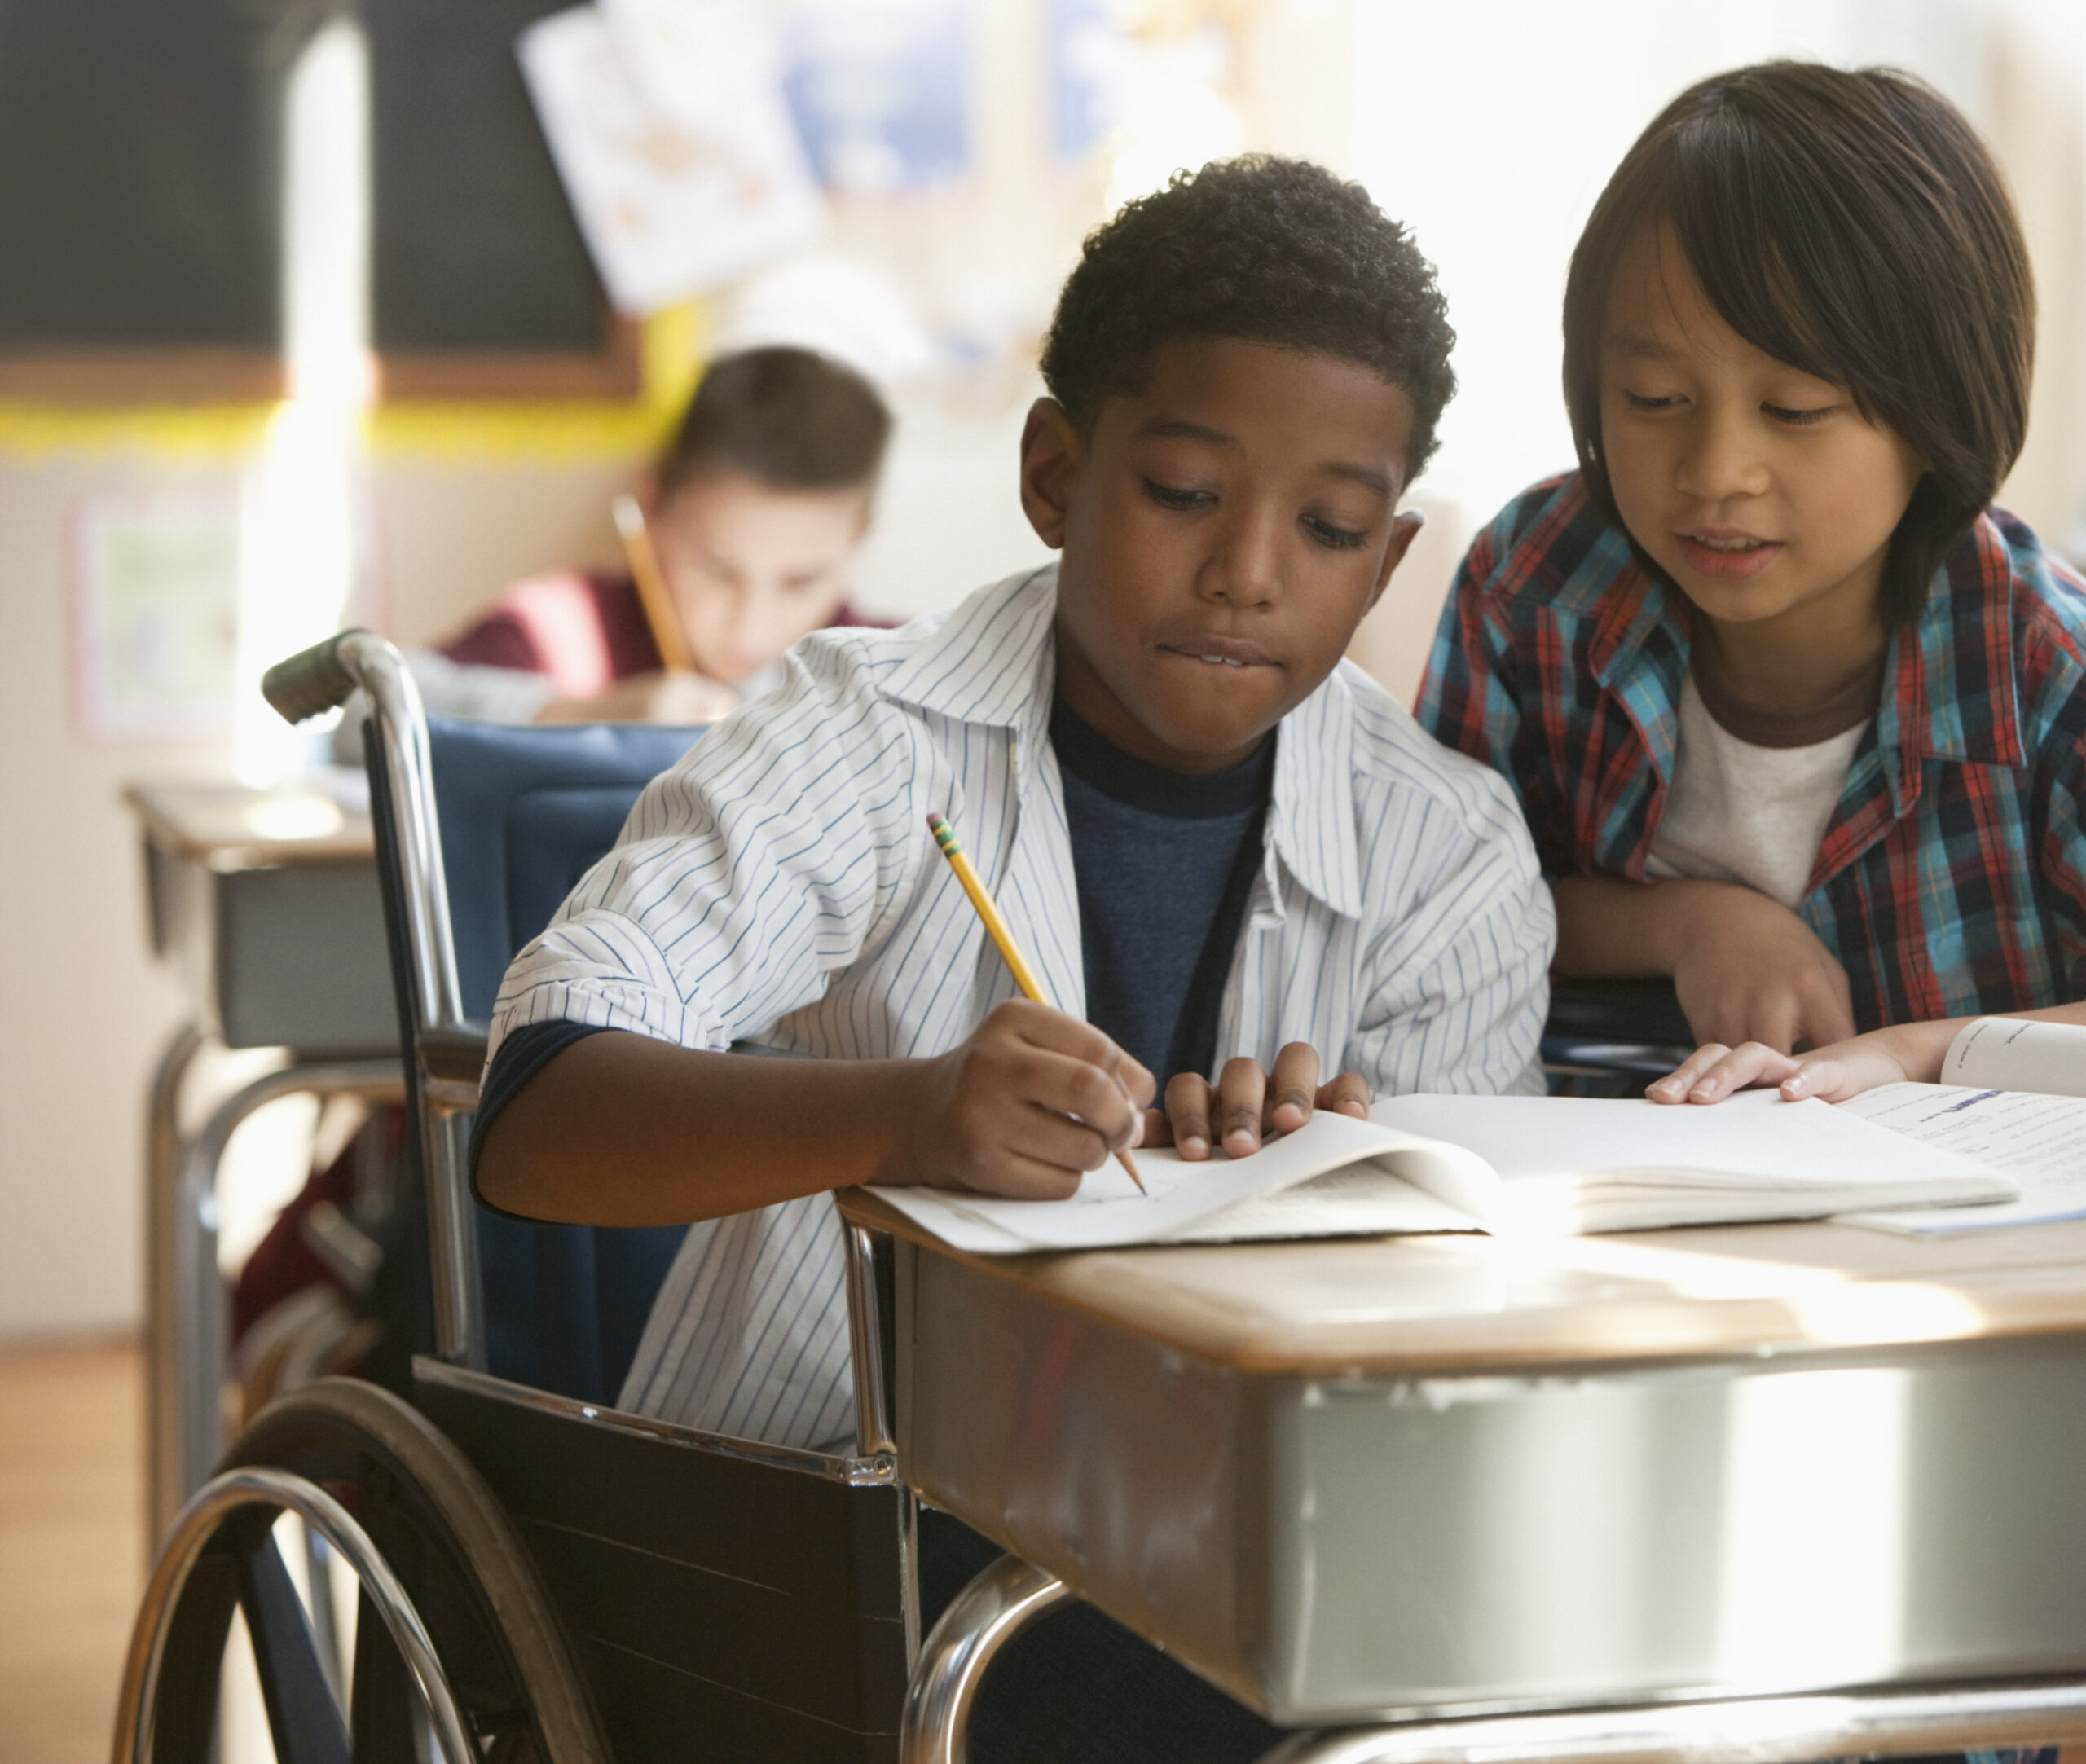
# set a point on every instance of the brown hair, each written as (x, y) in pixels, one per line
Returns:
(791, 418)
(1852, 225)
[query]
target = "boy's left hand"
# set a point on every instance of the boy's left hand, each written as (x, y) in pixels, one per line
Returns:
(1832, 1074)
(1249, 1104)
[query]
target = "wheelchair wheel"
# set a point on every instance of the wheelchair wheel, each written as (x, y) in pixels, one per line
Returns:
(393, 1500)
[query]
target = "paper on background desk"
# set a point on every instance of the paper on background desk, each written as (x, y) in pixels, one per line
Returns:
(1184, 1198)
(2038, 1140)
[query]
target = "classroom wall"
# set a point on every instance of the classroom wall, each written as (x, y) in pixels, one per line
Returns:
(83, 1011)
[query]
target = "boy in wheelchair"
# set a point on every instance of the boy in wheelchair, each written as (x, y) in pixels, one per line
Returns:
(1255, 887)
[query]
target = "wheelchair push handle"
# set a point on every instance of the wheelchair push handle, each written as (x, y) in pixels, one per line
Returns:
(314, 680)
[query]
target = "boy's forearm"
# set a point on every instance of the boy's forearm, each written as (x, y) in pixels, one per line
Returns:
(623, 1129)
(1611, 928)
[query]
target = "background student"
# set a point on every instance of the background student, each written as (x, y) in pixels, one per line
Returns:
(1236, 863)
(1796, 717)
(757, 510)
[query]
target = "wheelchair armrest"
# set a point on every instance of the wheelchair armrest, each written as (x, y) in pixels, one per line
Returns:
(455, 1052)
(1646, 1012)
(1628, 1026)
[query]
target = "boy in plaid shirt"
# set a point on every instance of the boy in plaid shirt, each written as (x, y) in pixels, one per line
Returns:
(1795, 716)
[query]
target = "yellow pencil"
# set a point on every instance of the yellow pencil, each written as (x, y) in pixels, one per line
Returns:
(995, 928)
(661, 614)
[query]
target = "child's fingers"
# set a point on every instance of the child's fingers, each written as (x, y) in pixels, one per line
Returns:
(1705, 1080)
(1188, 1099)
(1136, 1079)
(1042, 1026)
(1242, 1089)
(1018, 1177)
(1830, 1081)
(1347, 1094)
(1045, 1136)
(1052, 1033)
(1292, 1088)
(1091, 1096)
(1675, 1086)
(1834, 1073)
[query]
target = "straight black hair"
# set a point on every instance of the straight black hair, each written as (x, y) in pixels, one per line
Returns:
(1852, 225)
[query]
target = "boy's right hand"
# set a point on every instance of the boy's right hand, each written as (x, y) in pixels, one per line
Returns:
(1024, 1108)
(1749, 969)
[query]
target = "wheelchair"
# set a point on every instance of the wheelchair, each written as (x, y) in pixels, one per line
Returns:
(506, 1567)
(538, 1577)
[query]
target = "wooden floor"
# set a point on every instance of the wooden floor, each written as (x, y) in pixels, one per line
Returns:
(72, 1545)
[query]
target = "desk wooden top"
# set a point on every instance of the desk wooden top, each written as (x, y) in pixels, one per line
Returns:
(1467, 1303)
(231, 826)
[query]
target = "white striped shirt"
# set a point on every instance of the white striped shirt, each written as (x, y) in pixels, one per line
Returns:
(779, 887)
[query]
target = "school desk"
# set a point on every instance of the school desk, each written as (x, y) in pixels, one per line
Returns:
(1458, 1498)
(265, 903)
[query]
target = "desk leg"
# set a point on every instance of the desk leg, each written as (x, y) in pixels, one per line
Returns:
(170, 1259)
(988, 1614)
(190, 1344)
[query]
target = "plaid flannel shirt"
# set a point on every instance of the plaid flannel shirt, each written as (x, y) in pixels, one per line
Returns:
(1952, 878)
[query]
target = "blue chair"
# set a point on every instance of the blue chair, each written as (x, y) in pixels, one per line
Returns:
(524, 813)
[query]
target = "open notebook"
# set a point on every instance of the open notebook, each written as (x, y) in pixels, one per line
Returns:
(2011, 1096)
(1524, 1165)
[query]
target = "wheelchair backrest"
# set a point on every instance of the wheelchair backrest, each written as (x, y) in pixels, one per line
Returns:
(523, 813)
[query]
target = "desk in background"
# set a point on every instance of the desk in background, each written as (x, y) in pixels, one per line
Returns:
(266, 904)
(1471, 1487)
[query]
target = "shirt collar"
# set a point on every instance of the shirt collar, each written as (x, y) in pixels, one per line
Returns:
(992, 660)
(1948, 679)
(1311, 819)
(1950, 688)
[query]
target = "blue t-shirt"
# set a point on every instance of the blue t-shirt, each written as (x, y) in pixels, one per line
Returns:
(1165, 863)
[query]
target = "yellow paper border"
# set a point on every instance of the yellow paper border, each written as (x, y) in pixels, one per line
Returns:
(546, 431)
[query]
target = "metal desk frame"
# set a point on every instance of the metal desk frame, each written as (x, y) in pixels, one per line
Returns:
(188, 1341)
(1008, 1596)
(200, 837)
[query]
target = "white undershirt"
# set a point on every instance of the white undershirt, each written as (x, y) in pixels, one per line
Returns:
(1746, 814)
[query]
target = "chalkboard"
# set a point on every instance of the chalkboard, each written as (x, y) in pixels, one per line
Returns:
(477, 256)
(139, 168)
(140, 192)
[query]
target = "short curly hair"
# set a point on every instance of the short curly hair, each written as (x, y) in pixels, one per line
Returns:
(1265, 250)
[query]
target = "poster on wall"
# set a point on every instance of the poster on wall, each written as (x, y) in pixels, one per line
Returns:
(669, 132)
(155, 615)
(880, 90)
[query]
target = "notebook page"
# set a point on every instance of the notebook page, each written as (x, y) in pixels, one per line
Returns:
(1559, 1158)
(2039, 1140)
(1356, 1200)
(1108, 1211)
(2018, 1053)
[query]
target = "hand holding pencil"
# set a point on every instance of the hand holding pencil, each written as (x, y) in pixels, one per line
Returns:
(1024, 977)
